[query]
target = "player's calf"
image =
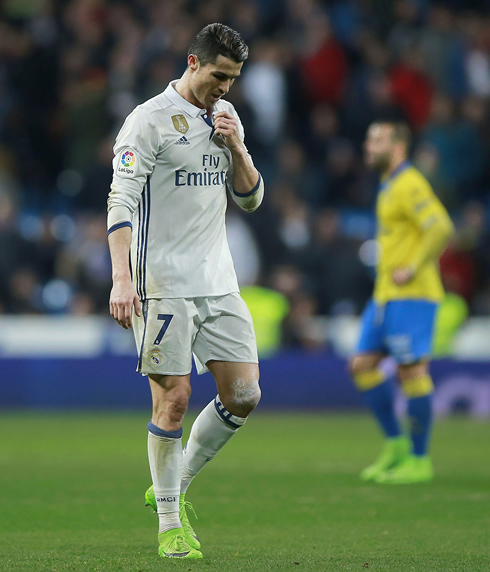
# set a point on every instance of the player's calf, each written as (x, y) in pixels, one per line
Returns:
(170, 399)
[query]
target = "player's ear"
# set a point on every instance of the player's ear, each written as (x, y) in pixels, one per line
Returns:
(193, 62)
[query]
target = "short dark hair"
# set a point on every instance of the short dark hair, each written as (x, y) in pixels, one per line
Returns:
(215, 40)
(401, 132)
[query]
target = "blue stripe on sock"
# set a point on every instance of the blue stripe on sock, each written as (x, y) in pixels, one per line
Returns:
(224, 414)
(162, 433)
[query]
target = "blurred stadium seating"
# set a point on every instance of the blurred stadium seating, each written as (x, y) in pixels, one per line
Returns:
(318, 74)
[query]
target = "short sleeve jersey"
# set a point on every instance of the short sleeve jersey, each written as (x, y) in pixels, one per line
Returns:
(171, 171)
(406, 205)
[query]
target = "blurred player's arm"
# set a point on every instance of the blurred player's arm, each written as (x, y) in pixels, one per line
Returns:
(244, 181)
(140, 138)
(432, 219)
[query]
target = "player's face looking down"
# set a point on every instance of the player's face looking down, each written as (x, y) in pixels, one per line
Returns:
(378, 147)
(210, 82)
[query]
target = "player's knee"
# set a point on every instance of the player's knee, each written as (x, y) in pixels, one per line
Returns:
(411, 371)
(415, 380)
(243, 397)
(178, 407)
(358, 365)
(365, 373)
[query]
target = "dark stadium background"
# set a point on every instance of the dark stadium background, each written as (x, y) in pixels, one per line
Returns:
(285, 494)
(318, 74)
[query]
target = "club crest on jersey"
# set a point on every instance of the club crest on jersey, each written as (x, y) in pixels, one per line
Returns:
(128, 159)
(180, 123)
(155, 356)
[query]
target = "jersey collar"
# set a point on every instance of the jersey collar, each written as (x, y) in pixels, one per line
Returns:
(181, 102)
(401, 167)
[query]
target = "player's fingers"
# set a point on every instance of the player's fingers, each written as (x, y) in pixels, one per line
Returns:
(223, 130)
(223, 114)
(222, 122)
(225, 121)
(119, 313)
(219, 128)
(225, 127)
(114, 310)
(126, 319)
(137, 306)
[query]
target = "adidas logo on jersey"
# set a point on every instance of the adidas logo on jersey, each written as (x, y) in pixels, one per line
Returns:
(183, 141)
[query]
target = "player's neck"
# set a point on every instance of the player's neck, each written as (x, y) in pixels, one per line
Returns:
(394, 165)
(183, 88)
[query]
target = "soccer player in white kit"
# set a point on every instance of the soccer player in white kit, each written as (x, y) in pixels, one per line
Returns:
(174, 281)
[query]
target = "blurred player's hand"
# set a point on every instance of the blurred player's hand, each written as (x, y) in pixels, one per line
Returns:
(123, 296)
(402, 276)
(227, 126)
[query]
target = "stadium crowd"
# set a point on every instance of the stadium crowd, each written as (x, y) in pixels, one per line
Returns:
(318, 74)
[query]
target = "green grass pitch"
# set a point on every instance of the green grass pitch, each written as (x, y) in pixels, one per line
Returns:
(283, 495)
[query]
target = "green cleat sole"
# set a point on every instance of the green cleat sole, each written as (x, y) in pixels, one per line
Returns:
(173, 544)
(411, 471)
(393, 453)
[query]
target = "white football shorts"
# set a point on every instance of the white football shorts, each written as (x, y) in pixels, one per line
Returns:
(171, 330)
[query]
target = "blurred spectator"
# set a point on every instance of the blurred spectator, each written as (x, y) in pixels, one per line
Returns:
(319, 73)
(459, 150)
(411, 88)
(264, 88)
(324, 64)
(340, 281)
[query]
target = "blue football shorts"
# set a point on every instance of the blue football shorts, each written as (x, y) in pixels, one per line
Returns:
(402, 329)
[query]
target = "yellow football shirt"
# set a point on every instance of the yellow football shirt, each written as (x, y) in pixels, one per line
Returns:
(406, 208)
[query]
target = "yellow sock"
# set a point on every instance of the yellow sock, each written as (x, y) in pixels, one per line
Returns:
(418, 386)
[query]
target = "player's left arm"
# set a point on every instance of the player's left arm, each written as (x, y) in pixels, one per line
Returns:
(424, 208)
(247, 185)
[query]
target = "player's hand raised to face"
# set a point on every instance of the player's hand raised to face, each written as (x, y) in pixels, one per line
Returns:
(123, 296)
(227, 126)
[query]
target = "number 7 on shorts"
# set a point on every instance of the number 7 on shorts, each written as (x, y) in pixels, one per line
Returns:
(167, 318)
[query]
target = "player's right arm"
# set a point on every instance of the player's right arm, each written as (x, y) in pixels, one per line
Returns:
(135, 151)
(123, 293)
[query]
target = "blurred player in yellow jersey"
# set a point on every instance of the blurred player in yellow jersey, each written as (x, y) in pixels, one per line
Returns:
(413, 230)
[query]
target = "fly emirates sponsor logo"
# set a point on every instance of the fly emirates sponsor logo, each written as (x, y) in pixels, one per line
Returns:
(210, 175)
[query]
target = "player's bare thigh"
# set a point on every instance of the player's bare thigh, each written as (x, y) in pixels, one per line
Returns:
(363, 362)
(413, 370)
(170, 397)
(238, 385)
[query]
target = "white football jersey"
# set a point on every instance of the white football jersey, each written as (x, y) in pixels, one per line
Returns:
(171, 172)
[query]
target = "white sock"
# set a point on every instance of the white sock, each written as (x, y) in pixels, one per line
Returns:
(165, 456)
(212, 429)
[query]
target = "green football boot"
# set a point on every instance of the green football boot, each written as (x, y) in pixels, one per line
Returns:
(150, 499)
(393, 452)
(190, 535)
(412, 469)
(172, 544)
